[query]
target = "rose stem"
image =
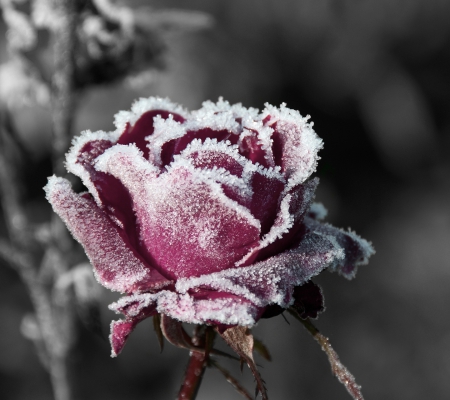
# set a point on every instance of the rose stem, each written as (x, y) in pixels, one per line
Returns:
(338, 369)
(203, 338)
(193, 376)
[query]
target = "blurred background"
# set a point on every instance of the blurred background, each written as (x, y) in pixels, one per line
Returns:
(375, 77)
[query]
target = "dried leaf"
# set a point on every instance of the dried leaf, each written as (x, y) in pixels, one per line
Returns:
(241, 341)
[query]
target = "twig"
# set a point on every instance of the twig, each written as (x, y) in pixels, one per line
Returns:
(9, 190)
(63, 98)
(338, 369)
(232, 380)
(55, 347)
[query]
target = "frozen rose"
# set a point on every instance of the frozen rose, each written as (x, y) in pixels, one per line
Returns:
(205, 216)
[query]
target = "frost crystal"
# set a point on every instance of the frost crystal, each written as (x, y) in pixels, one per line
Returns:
(204, 216)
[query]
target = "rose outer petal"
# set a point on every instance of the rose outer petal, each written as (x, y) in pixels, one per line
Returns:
(272, 280)
(357, 250)
(116, 264)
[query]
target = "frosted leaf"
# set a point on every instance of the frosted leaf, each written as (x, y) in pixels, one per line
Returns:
(20, 85)
(21, 34)
(45, 15)
(116, 265)
(141, 106)
(295, 143)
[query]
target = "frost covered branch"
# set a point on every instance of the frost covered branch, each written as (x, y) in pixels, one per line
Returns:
(339, 370)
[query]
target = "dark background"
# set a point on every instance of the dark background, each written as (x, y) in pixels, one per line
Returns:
(374, 76)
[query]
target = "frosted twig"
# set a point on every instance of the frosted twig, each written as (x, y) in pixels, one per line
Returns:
(338, 369)
(55, 347)
(9, 190)
(63, 98)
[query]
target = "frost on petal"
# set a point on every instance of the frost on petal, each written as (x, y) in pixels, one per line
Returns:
(287, 224)
(143, 128)
(255, 142)
(267, 190)
(116, 265)
(186, 222)
(135, 309)
(220, 121)
(109, 193)
(120, 330)
(221, 162)
(295, 144)
(273, 280)
(140, 107)
(219, 309)
(357, 250)
(162, 142)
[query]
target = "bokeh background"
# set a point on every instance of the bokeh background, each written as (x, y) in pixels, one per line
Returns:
(375, 77)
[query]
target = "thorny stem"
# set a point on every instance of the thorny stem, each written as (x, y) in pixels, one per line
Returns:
(339, 370)
(196, 366)
(193, 376)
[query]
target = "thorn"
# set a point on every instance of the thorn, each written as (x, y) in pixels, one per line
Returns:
(285, 318)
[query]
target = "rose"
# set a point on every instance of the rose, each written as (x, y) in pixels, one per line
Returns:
(205, 217)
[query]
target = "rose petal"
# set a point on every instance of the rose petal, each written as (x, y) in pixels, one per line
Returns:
(120, 330)
(109, 193)
(255, 142)
(272, 280)
(287, 224)
(356, 249)
(295, 144)
(143, 128)
(187, 224)
(202, 307)
(116, 265)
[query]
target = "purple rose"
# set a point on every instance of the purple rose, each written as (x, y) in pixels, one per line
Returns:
(203, 216)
